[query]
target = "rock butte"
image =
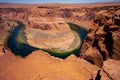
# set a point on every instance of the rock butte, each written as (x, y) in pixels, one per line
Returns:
(56, 36)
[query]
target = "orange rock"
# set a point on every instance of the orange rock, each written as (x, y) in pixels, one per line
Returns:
(40, 65)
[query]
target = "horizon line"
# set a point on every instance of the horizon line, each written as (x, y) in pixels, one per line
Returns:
(56, 3)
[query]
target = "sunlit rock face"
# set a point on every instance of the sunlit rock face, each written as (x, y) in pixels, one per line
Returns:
(57, 37)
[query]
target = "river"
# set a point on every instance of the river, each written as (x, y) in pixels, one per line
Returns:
(18, 45)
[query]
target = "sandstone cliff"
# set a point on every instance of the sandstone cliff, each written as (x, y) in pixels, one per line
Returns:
(105, 39)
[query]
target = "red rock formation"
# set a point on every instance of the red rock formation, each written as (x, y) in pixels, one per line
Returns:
(102, 43)
(40, 65)
(106, 37)
(110, 70)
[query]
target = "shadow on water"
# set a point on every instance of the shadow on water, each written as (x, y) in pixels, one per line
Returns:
(23, 49)
(82, 31)
(64, 54)
(18, 48)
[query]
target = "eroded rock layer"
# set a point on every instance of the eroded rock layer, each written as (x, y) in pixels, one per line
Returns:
(53, 36)
(105, 39)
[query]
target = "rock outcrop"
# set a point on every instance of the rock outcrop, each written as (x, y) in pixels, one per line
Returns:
(6, 59)
(57, 37)
(110, 70)
(40, 65)
(4, 25)
(105, 38)
(117, 17)
(93, 56)
(14, 13)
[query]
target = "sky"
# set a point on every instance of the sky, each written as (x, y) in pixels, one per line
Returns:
(57, 1)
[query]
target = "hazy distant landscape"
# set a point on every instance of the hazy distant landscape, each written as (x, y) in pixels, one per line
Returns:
(60, 41)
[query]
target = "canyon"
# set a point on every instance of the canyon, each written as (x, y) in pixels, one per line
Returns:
(47, 26)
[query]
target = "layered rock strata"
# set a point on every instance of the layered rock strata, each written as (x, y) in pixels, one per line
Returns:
(56, 36)
(105, 38)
